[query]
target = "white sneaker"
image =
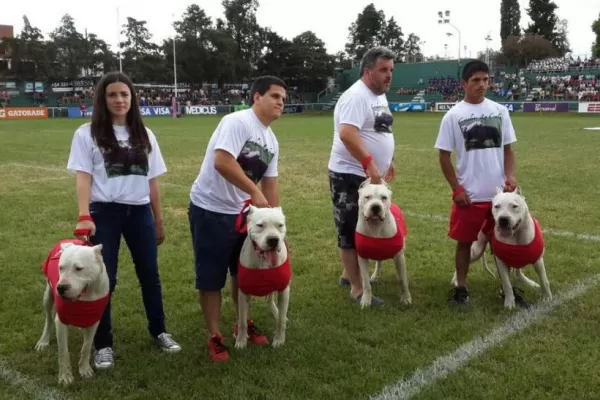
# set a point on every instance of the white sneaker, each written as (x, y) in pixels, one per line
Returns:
(104, 358)
(166, 343)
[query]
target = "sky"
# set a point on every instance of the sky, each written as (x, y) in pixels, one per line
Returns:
(329, 19)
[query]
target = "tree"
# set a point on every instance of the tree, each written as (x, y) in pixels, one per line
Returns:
(365, 32)
(69, 49)
(141, 58)
(276, 56)
(309, 65)
(510, 19)
(520, 51)
(391, 37)
(412, 48)
(546, 23)
(596, 44)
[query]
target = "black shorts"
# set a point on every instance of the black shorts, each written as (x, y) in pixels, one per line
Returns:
(217, 246)
(344, 196)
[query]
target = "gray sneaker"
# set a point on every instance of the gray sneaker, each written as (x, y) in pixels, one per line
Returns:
(166, 343)
(104, 358)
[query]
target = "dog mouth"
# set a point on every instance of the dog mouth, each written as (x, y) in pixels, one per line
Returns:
(271, 255)
(506, 230)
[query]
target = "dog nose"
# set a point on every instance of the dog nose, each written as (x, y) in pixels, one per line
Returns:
(62, 288)
(503, 221)
(272, 241)
(376, 208)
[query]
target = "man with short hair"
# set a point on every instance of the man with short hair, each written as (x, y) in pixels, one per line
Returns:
(242, 152)
(480, 131)
(363, 146)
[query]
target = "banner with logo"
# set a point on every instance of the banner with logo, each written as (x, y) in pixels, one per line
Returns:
(293, 108)
(512, 107)
(75, 112)
(145, 111)
(589, 108)
(443, 107)
(545, 107)
(408, 107)
(206, 110)
(24, 113)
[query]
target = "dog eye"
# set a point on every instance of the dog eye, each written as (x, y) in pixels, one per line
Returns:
(515, 206)
(259, 225)
(497, 206)
(281, 225)
(78, 269)
(384, 198)
(368, 197)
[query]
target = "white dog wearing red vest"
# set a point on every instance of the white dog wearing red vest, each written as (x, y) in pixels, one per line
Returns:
(78, 286)
(379, 236)
(263, 270)
(517, 241)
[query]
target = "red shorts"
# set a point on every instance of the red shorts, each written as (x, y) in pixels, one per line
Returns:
(466, 222)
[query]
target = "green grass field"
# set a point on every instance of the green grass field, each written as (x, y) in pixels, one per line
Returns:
(333, 349)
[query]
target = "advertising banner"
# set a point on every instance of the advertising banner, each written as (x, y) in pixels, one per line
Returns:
(293, 108)
(146, 111)
(75, 112)
(205, 110)
(546, 107)
(512, 107)
(589, 108)
(24, 113)
(443, 107)
(408, 107)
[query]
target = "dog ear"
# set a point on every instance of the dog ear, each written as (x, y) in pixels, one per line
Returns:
(499, 190)
(365, 183)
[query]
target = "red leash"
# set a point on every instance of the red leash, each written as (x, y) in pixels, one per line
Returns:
(240, 225)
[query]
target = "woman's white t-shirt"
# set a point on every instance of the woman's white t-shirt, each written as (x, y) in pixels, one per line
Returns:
(478, 134)
(126, 181)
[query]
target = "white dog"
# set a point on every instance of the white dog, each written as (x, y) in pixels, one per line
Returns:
(77, 285)
(264, 269)
(379, 236)
(517, 241)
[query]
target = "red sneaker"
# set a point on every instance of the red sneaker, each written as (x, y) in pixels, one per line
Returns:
(254, 335)
(216, 348)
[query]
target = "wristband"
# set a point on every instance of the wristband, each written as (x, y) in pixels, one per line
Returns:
(85, 218)
(459, 189)
(365, 161)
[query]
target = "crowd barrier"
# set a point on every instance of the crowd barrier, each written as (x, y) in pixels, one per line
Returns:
(12, 113)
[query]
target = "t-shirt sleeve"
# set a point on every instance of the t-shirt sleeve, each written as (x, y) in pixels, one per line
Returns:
(445, 139)
(232, 136)
(351, 111)
(271, 171)
(508, 130)
(156, 163)
(82, 151)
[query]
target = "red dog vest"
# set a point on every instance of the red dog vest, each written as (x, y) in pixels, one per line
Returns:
(82, 314)
(519, 256)
(383, 248)
(261, 282)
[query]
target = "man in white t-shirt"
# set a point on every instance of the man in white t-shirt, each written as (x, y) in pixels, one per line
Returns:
(480, 131)
(363, 146)
(242, 152)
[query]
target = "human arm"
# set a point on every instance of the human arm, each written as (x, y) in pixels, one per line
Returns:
(80, 162)
(155, 204)
(270, 191)
(445, 143)
(351, 119)
(509, 137)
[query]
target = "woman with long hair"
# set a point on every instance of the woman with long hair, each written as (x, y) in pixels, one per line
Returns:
(117, 162)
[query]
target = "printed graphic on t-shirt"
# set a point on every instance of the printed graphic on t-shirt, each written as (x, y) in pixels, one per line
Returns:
(383, 119)
(254, 160)
(126, 162)
(482, 132)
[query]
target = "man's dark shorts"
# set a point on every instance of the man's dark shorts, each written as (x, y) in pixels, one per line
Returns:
(344, 196)
(217, 247)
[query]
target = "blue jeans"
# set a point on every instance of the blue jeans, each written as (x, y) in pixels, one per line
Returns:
(136, 224)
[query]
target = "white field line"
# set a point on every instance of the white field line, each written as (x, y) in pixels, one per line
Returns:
(548, 231)
(34, 389)
(431, 217)
(423, 378)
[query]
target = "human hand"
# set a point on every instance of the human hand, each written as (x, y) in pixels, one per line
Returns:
(85, 228)
(510, 184)
(258, 199)
(390, 173)
(373, 173)
(460, 197)
(160, 231)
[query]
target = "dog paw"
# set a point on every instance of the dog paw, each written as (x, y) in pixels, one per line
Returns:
(86, 371)
(374, 279)
(509, 303)
(546, 297)
(365, 301)
(241, 344)
(41, 345)
(406, 299)
(65, 377)
(278, 340)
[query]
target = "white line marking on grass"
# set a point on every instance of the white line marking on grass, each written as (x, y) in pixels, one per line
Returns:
(431, 217)
(548, 231)
(422, 379)
(27, 385)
